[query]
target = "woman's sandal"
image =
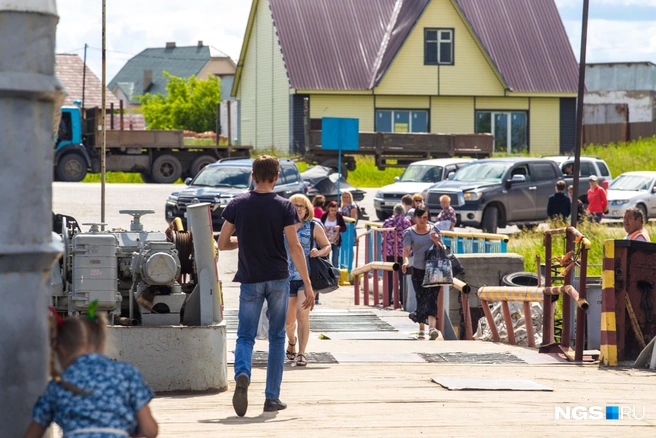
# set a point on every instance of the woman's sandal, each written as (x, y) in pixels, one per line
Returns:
(291, 355)
(300, 360)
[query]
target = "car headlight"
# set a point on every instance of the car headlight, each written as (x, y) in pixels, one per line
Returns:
(619, 202)
(173, 198)
(473, 196)
(379, 195)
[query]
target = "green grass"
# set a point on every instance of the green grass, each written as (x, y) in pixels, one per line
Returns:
(530, 243)
(626, 157)
(621, 157)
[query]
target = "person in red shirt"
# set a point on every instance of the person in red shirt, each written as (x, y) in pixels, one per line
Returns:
(597, 201)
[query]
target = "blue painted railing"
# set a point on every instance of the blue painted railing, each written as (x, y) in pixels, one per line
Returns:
(348, 241)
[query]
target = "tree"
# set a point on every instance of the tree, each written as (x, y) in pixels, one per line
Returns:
(190, 104)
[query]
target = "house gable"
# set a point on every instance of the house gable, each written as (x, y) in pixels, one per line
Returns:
(472, 72)
(263, 88)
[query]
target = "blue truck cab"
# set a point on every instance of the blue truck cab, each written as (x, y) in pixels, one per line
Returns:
(71, 156)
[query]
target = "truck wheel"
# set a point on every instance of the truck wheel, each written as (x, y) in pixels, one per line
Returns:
(71, 168)
(334, 165)
(166, 169)
(198, 164)
(491, 219)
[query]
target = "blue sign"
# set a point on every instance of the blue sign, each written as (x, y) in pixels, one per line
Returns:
(340, 133)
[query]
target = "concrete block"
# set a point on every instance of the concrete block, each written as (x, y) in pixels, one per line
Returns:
(174, 358)
(480, 270)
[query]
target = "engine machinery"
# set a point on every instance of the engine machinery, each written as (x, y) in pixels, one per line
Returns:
(136, 276)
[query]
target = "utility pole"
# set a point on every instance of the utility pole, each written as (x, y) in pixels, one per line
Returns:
(579, 113)
(103, 156)
(84, 79)
(30, 97)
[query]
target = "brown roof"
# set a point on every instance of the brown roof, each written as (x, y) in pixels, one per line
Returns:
(341, 44)
(527, 41)
(349, 44)
(69, 69)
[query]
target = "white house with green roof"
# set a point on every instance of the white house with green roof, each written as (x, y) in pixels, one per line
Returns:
(144, 73)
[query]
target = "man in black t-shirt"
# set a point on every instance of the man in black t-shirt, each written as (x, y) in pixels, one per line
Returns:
(260, 218)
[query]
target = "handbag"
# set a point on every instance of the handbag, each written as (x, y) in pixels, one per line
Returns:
(456, 266)
(438, 268)
(323, 275)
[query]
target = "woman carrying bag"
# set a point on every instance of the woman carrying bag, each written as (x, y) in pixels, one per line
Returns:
(297, 316)
(418, 239)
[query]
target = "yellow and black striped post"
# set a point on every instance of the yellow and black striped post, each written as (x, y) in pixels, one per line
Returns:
(608, 322)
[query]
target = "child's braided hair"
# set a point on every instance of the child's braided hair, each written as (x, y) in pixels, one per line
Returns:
(74, 334)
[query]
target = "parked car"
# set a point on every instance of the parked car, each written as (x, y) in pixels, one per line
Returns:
(218, 183)
(416, 178)
(322, 180)
(632, 189)
(496, 192)
(589, 166)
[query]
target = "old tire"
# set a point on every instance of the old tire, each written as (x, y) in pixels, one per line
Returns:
(198, 164)
(166, 169)
(71, 168)
(643, 209)
(491, 219)
(334, 165)
(522, 279)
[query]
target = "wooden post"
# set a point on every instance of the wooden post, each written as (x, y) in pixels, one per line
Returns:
(509, 325)
(528, 321)
(490, 321)
(111, 115)
(547, 319)
(218, 123)
(229, 124)
(120, 106)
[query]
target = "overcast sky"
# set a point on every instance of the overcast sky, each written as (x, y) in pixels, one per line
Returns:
(619, 30)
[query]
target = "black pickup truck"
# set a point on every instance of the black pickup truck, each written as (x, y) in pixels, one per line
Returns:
(493, 193)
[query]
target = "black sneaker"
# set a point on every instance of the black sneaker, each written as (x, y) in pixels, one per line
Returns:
(240, 397)
(271, 405)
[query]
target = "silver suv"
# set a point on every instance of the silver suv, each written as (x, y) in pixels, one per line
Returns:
(589, 166)
(417, 177)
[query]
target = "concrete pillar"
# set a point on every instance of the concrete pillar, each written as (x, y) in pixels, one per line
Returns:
(29, 96)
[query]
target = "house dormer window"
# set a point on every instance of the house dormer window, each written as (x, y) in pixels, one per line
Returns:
(438, 46)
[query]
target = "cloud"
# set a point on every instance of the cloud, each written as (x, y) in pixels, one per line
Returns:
(615, 41)
(134, 25)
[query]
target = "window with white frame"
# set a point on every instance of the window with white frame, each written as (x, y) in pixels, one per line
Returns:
(401, 120)
(510, 129)
(438, 46)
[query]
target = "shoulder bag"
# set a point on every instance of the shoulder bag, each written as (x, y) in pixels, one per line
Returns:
(323, 276)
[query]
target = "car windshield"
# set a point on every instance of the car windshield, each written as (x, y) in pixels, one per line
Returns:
(488, 172)
(422, 173)
(631, 183)
(238, 177)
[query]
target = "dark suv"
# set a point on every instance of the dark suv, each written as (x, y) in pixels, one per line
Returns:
(218, 183)
(493, 193)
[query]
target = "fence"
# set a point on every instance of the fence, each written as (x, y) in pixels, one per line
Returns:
(348, 242)
(617, 132)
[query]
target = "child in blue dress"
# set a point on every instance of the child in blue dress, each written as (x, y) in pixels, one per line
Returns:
(94, 397)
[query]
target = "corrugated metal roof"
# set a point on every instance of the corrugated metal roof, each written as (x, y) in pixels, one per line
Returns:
(527, 42)
(341, 44)
(69, 70)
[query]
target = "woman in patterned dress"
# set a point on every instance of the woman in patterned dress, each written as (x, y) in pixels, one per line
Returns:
(94, 397)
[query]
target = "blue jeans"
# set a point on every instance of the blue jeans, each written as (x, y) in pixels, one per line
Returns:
(335, 255)
(251, 299)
